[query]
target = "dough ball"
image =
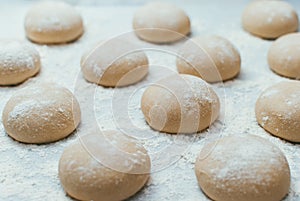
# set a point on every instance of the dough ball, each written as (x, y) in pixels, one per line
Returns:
(180, 104)
(84, 175)
(114, 63)
(283, 56)
(18, 62)
(54, 22)
(270, 19)
(161, 22)
(41, 114)
(243, 168)
(278, 110)
(210, 57)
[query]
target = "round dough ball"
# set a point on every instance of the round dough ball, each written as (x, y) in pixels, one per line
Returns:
(278, 110)
(114, 63)
(41, 114)
(180, 104)
(243, 168)
(283, 56)
(54, 22)
(213, 58)
(161, 22)
(270, 19)
(84, 176)
(18, 62)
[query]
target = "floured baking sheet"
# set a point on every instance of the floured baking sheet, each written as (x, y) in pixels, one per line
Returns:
(29, 172)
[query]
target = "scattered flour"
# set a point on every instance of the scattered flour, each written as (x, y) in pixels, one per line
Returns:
(30, 171)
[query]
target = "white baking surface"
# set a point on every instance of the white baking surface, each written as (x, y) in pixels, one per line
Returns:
(29, 172)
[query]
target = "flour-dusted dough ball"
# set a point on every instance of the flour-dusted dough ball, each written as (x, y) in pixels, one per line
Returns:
(54, 22)
(161, 22)
(270, 19)
(85, 176)
(278, 110)
(18, 62)
(115, 63)
(41, 114)
(283, 56)
(180, 104)
(243, 168)
(213, 58)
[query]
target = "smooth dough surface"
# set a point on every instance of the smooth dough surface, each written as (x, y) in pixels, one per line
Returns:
(52, 22)
(18, 62)
(180, 104)
(243, 168)
(213, 58)
(270, 19)
(283, 56)
(278, 110)
(161, 22)
(115, 63)
(84, 175)
(41, 114)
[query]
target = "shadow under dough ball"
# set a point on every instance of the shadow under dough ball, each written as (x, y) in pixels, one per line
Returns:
(243, 168)
(18, 62)
(53, 22)
(180, 104)
(115, 63)
(270, 19)
(212, 58)
(41, 114)
(104, 166)
(283, 56)
(278, 110)
(161, 22)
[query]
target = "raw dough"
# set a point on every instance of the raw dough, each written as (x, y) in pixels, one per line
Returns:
(278, 110)
(114, 63)
(41, 114)
(53, 22)
(180, 104)
(270, 19)
(161, 22)
(213, 58)
(18, 62)
(243, 168)
(283, 56)
(84, 175)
